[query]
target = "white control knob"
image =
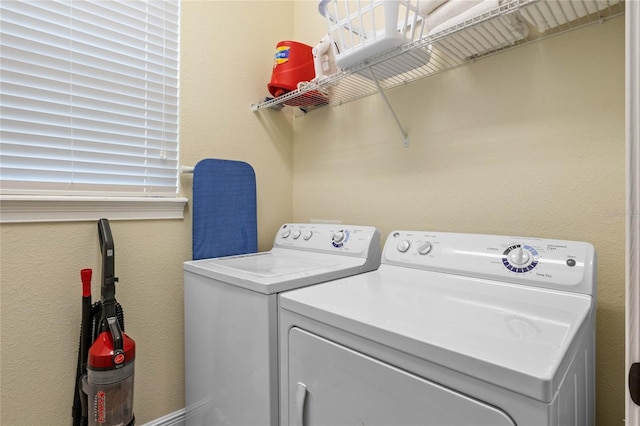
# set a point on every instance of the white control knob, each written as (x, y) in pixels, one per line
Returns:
(296, 234)
(425, 248)
(285, 233)
(519, 256)
(307, 234)
(338, 237)
(403, 246)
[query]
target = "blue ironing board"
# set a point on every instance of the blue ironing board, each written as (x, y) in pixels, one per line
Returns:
(224, 209)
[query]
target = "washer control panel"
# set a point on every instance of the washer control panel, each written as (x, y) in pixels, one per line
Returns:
(556, 264)
(352, 240)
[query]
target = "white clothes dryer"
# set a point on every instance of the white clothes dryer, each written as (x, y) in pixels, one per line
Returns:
(230, 312)
(452, 329)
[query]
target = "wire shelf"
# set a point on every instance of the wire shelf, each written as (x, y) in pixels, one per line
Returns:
(513, 23)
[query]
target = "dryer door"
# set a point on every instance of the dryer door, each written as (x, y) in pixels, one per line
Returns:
(330, 384)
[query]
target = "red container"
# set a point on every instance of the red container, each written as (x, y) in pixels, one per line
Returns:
(292, 64)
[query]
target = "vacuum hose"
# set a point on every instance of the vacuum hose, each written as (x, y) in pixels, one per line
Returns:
(96, 314)
(76, 410)
(79, 411)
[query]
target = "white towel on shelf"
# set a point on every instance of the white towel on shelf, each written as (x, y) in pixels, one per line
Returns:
(428, 6)
(482, 38)
(549, 14)
(455, 11)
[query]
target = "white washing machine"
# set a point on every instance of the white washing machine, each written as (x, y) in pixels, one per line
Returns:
(452, 329)
(230, 311)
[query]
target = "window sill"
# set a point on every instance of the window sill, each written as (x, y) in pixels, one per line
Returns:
(23, 209)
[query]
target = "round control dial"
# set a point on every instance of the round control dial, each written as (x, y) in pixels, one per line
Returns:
(403, 246)
(296, 234)
(520, 258)
(517, 256)
(285, 233)
(340, 238)
(425, 248)
(306, 235)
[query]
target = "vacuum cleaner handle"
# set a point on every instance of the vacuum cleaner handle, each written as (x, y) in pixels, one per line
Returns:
(108, 286)
(108, 251)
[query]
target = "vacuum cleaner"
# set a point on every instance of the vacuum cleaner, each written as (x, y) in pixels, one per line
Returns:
(104, 380)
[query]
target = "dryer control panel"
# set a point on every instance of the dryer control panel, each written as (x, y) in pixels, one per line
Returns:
(555, 264)
(350, 240)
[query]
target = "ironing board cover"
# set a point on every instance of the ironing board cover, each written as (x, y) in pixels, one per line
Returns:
(224, 209)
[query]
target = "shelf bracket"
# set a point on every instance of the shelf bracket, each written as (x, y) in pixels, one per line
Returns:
(405, 137)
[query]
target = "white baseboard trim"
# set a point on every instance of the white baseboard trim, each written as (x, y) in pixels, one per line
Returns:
(176, 418)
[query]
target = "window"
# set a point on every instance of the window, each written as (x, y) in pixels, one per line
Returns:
(89, 100)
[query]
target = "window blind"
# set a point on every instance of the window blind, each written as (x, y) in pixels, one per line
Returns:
(89, 97)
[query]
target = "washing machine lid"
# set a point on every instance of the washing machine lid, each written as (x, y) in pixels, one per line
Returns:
(518, 337)
(278, 269)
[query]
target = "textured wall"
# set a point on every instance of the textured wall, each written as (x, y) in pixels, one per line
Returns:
(227, 53)
(528, 142)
